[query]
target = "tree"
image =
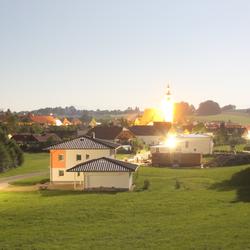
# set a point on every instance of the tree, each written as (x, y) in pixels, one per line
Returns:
(10, 153)
(209, 108)
(4, 158)
(137, 145)
(182, 109)
(229, 107)
(199, 128)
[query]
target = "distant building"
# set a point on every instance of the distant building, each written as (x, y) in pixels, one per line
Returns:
(112, 133)
(66, 122)
(45, 120)
(76, 122)
(28, 141)
(185, 150)
(151, 134)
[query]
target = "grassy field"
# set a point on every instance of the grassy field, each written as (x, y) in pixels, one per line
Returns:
(183, 209)
(31, 181)
(32, 163)
(237, 117)
(239, 147)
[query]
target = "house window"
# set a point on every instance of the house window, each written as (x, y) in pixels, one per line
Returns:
(61, 173)
(78, 157)
(186, 144)
(87, 156)
(78, 173)
(60, 157)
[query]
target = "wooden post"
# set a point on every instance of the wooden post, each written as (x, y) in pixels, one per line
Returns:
(74, 180)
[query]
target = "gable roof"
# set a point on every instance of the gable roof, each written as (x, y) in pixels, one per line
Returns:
(105, 132)
(48, 136)
(104, 164)
(145, 130)
(85, 142)
(28, 137)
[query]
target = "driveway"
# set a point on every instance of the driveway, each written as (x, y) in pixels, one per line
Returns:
(4, 182)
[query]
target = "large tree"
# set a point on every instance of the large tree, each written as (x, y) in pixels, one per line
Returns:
(182, 109)
(209, 108)
(10, 154)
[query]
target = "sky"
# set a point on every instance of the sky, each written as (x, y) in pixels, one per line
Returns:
(114, 54)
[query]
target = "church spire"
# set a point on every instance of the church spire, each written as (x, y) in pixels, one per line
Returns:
(168, 93)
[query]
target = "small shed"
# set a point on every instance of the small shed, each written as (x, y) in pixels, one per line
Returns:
(104, 173)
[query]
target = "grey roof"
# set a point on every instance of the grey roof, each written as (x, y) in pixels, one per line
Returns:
(85, 142)
(104, 164)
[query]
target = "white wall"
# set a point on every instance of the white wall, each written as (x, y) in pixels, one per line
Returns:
(97, 180)
(194, 145)
(68, 176)
(116, 180)
(93, 154)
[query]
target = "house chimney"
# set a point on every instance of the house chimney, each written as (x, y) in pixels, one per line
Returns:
(93, 135)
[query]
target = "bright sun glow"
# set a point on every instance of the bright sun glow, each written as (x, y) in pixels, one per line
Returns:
(248, 135)
(167, 107)
(168, 110)
(171, 141)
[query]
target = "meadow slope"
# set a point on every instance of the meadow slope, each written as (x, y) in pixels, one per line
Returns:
(183, 209)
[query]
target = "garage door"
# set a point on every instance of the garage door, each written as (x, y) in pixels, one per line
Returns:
(116, 181)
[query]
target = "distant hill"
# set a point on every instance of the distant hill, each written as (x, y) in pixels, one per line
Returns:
(237, 116)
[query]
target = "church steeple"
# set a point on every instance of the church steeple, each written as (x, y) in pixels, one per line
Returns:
(168, 93)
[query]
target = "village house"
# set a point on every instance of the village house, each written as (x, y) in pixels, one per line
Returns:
(112, 133)
(182, 150)
(28, 141)
(45, 120)
(151, 134)
(89, 163)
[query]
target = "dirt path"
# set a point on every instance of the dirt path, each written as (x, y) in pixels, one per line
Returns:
(4, 182)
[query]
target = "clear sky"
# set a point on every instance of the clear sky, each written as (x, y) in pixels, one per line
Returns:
(112, 54)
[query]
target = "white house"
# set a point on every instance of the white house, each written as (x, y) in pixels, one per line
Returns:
(68, 159)
(190, 143)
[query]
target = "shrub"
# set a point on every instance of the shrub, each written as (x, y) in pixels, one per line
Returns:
(247, 148)
(177, 184)
(146, 184)
(229, 160)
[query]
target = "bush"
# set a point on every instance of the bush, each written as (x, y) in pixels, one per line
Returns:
(146, 185)
(247, 148)
(177, 184)
(229, 160)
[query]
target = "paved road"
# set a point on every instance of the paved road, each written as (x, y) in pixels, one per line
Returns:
(4, 182)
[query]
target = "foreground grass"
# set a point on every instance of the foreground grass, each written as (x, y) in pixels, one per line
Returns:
(204, 211)
(32, 163)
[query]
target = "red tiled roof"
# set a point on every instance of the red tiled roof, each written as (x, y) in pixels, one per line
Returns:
(43, 119)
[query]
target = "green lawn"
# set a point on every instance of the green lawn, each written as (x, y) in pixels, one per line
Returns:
(31, 181)
(239, 147)
(32, 163)
(183, 209)
(237, 117)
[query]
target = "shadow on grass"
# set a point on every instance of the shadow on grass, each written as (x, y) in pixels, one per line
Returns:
(53, 193)
(240, 182)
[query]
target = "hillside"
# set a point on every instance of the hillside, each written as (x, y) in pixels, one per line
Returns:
(183, 209)
(237, 117)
